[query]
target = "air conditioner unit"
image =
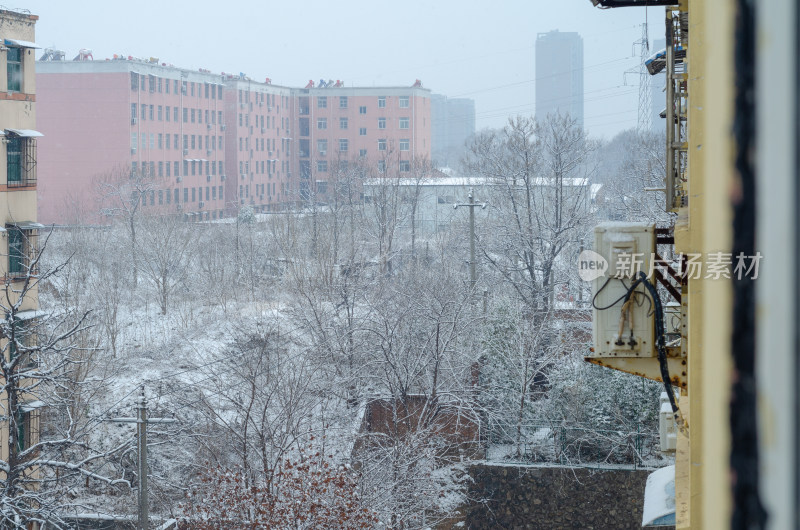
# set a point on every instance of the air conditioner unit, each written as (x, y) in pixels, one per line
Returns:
(208, 152)
(269, 108)
(222, 127)
(618, 247)
(222, 178)
(180, 179)
(208, 126)
(133, 150)
(263, 130)
(185, 152)
(201, 204)
(133, 121)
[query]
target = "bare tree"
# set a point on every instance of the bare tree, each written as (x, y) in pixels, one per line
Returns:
(163, 249)
(40, 367)
(539, 176)
(123, 193)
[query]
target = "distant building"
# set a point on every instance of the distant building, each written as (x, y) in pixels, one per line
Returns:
(452, 124)
(559, 75)
(211, 143)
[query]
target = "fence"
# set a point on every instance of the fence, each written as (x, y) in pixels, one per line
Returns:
(635, 446)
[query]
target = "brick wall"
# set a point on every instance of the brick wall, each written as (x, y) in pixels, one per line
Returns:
(555, 497)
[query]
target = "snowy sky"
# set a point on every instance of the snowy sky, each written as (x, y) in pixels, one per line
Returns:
(460, 48)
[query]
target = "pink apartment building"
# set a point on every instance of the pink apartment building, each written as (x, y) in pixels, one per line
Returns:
(211, 143)
(388, 127)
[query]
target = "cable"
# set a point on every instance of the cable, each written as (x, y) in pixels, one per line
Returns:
(662, 349)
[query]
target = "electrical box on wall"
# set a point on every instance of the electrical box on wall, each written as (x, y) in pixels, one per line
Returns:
(620, 329)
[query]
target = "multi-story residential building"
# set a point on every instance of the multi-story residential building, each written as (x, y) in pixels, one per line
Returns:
(559, 75)
(386, 128)
(259, 118)
(109, 120)
(208, 143)
(19, 230)
(452, 124)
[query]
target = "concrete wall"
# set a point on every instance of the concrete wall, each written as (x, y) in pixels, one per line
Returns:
(555, 497)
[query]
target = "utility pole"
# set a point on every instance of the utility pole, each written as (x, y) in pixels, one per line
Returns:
(471, 204)
(141, 420)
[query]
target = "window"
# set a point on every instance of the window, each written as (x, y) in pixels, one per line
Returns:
(381, 166)
(381, 102)
(23, 337)
(322, 123)
(343, 145)
(14, 56)
(382, 144)
(322, 147)
(343, 123)
(22, 239)
(362, 153)
(160, 141)
(21, 160)
(322, 102)
(322, 166)
(23, 424)
(160, 109)
(404, 144)
(144, 112)
(362, 110)
(403, 102)
(192, 115)
(381, 123)
(185, 115)
(151, 112)
(405, 165)
(404, 123)
(362, 131)
(342, 102)
(133, 112)
(343, 166)
(167, 109)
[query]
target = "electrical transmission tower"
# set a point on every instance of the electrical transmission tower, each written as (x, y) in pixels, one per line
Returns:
(644, 124)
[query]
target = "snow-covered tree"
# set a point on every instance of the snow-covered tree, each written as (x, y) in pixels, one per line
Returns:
(41, 369)
(309, 492)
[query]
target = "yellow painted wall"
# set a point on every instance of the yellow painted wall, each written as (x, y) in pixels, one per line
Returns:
(702, 481)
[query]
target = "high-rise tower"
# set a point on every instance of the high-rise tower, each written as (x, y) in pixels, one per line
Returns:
(559, 74)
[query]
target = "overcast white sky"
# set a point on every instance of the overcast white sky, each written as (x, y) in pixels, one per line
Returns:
(460, 48)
